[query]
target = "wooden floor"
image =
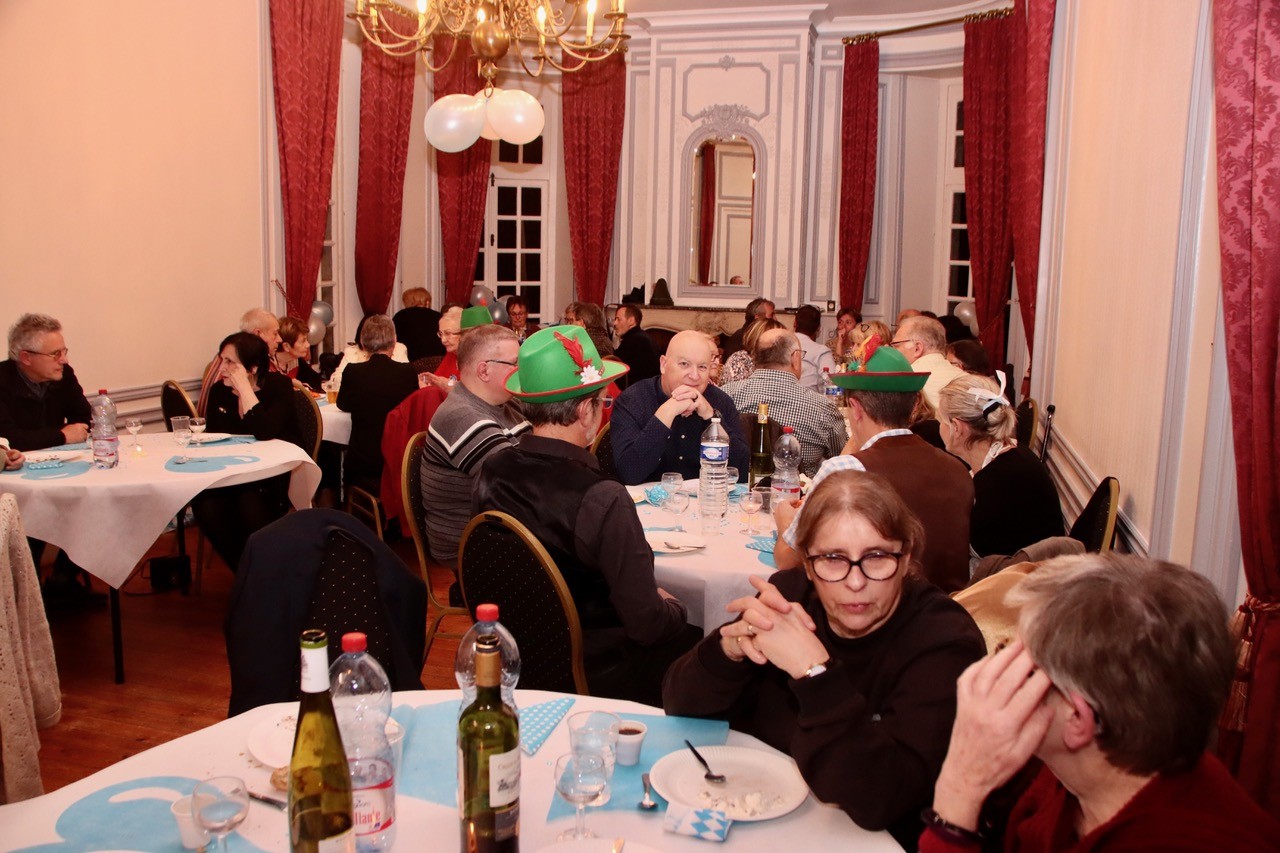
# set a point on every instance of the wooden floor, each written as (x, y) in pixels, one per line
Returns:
(176, 675)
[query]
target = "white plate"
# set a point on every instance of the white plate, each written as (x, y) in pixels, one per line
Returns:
(209, 437)
(594, 845)
(679, 778)
(674, 542)
(271, 741)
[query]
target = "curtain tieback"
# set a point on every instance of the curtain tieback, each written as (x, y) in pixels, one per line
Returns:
(1243, 624)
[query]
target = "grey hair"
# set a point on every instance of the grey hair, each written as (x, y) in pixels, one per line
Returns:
(928, 331)
(22, 334)
(481, 343)
(777, 353)
(559, 413)
(378, 334)
(257, 319)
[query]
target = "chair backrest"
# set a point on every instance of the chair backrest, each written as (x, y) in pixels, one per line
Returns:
(661, 338)
(1048, 431)
(1027, 413)
(502, 563)
(411, 496)
(174, 403)
(309, 423)
(426, 364)
(748, 421)
(1096, 526)
(345, 598)
(602, 449)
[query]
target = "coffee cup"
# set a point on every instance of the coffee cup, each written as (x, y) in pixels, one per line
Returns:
(630, 739)
(194, 836)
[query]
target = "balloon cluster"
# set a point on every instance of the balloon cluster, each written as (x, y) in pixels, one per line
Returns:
(483, 295)
(321, 318)
(455, 122)
(967, 313)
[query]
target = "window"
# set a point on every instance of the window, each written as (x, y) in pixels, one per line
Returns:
(327, 284)
(513, 248)
(957, 284)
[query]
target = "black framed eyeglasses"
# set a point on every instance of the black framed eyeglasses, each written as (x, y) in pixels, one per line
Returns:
(55, 355)
(901, 342)
(874, 565)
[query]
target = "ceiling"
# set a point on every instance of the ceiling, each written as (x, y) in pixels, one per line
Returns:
(837, 8)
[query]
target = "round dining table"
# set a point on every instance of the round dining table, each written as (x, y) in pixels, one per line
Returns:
(126, 805)
(337, 423)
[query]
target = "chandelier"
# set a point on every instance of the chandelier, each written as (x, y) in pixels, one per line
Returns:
(493, 28)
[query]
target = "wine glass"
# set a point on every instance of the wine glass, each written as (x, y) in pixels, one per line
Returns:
(219, 805)
(672, 482)
(752, 501)
(197, 427)
(596, 733)
(580, 778)
(183, 437)
(676, 503)
(134, 425)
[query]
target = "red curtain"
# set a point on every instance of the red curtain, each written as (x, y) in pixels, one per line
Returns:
(386, 107)
(859, 139)
(986, 174)
(1032, 37)
(707, 212)
(460, 179)
(306, 43)
(1247, 36)
(595, 106)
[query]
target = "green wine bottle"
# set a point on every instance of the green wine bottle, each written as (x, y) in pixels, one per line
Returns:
(489, 761)
(761, 452)
(319, 781)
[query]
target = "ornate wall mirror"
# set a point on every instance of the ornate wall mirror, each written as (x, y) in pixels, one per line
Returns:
(721, 207)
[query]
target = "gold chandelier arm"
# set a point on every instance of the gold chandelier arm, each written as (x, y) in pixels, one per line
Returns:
(425, 52)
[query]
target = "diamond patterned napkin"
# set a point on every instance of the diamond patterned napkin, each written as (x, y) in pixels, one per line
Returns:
(708, 824)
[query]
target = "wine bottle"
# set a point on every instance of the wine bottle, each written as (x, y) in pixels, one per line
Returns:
(319, 781)
(761, 451)
(489, 761)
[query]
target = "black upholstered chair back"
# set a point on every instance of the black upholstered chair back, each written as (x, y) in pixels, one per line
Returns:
(426, 364)
(345, 598)
(310, 427)
(1027, 416)
(415, 518)
(602, 449)
(174, 403)
(500, 562)
(1096, 526)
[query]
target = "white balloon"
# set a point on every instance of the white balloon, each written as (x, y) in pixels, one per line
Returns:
(454, 122)
(487, 132)
(516, 116)
(967, 313)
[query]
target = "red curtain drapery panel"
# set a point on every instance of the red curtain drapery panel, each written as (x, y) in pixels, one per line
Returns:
(386, 108)
(707, 211)
(1032, 38)
(986, 175)
(460, 179)
(859, 139)
(306, 43)
(1247, 77)
(594, 109)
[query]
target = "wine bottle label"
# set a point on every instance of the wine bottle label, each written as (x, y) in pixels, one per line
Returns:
(373, 808)
(344, 843)
(315, 670)
(504, 778)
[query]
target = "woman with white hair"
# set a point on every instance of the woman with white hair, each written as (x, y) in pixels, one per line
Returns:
(1015, 502)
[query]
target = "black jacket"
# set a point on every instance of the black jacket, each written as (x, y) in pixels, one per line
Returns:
(31, 422)
(418, 329)
(369, 392)
(637, 350)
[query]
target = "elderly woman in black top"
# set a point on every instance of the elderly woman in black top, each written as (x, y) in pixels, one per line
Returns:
(848, 663)
(248, 400)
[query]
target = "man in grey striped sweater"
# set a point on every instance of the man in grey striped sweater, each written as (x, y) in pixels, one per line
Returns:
(478, 418)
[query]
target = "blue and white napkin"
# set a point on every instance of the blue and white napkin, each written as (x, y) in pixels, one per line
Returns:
(707, 824)
(763, 543)
(538, 721)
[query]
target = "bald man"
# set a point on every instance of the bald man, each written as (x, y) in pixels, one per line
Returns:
(658, 422)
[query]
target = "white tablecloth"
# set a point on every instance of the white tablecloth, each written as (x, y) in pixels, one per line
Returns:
(134, 815)
(337, 423)
(709, 579)
(106, 520)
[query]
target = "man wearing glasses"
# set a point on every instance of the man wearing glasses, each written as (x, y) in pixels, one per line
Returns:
(42, 405)
(657, 423)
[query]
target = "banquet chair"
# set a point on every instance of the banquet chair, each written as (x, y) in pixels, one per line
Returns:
(319, 568)
(1096, 524)
(412, 416)
(602, 449)
(309, 422)
(1027, 421)
(365, 505)
(500, 562)
(426, 364)
(174, 403)
(415, 518)
(748, 421)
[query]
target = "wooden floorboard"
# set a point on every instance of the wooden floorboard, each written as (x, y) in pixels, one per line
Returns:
(176, 674)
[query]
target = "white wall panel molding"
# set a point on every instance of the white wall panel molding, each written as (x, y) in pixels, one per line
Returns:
(1076, 483)
(700, 22)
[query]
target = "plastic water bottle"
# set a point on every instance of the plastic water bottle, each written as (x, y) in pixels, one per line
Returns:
(362, 703)
(713, 478)
(102, 432)
(464, 664)
(786, 467)
(833, 392)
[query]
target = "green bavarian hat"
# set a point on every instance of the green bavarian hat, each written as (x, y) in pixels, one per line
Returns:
(560, 363)
(476, 315)
(882, 368)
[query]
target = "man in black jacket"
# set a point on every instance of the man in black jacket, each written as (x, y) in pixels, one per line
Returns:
(635, 347)
(418, 325)
(370, 391)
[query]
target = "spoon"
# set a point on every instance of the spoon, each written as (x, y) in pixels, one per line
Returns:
(714, 778)
(647, 803)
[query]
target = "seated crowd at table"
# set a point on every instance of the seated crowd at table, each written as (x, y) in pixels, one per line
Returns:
(1090, 728)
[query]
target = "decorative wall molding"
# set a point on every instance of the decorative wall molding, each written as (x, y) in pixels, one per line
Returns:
(1076, 483)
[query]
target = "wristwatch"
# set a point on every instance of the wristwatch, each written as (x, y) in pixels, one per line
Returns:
(815, 669)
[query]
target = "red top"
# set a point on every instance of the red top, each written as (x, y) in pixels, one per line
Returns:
(487, 613)
(354, 641)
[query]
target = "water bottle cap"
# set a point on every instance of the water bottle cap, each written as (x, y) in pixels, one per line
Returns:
(355, 641)
(788, 429)
(102, 391)
(487, 613)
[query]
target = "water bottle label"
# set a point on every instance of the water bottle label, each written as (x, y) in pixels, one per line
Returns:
(373, 808)
(715, 453)
(504, 778)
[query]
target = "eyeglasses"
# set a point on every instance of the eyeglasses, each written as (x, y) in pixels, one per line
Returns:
(56, 355)
(901, 342)
(606, 403)
(874, 565)
(445, 334)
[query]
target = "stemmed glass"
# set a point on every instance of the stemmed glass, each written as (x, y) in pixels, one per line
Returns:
(182, 435)
(672, 482)
(580, 777)
(219, 805)
(752, 501)
(676, 503)
(134, 425)
(197, 427)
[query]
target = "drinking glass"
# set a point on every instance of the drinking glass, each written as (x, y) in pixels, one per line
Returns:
(197, 427)
(676, 503)
(766, 498)
(220, 805)
(580, 777)
(134, 425)
(672, 482)
(752, 501)
(596, 733)
(731, 477)
(183, 437)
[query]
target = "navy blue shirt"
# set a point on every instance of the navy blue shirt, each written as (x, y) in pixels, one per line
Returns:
(644, 449)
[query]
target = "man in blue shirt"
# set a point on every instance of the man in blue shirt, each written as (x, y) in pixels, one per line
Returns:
(657, 423)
